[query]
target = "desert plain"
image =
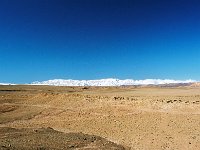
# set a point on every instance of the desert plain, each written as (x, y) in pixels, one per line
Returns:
(116, 118)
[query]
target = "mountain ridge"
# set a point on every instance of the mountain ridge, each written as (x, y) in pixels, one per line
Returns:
(110, 82)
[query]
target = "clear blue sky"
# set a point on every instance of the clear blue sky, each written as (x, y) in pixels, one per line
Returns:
(93, 39)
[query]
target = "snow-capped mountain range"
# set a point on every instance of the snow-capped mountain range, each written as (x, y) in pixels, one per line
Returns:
(109, 82)
(6, 84)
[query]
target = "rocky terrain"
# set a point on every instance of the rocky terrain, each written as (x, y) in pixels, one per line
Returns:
(47, 138)
(130, 117)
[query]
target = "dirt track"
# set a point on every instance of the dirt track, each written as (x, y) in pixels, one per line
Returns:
(135, 117)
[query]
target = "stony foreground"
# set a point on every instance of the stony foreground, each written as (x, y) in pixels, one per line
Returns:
(48, 139)
(134, 117)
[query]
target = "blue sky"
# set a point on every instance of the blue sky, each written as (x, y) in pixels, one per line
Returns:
(93, 39)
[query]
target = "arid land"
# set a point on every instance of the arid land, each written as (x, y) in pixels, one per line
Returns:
(141, 118)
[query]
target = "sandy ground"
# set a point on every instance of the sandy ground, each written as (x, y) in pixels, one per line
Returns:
(141, 118)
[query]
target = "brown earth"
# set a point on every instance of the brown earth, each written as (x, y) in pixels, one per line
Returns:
(134, 117)
(47, 138)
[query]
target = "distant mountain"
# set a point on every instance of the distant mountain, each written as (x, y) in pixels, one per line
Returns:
(195, 84)
(111, 82)
(6, 84)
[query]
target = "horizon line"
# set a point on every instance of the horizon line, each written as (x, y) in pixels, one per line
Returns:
(113, 81)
